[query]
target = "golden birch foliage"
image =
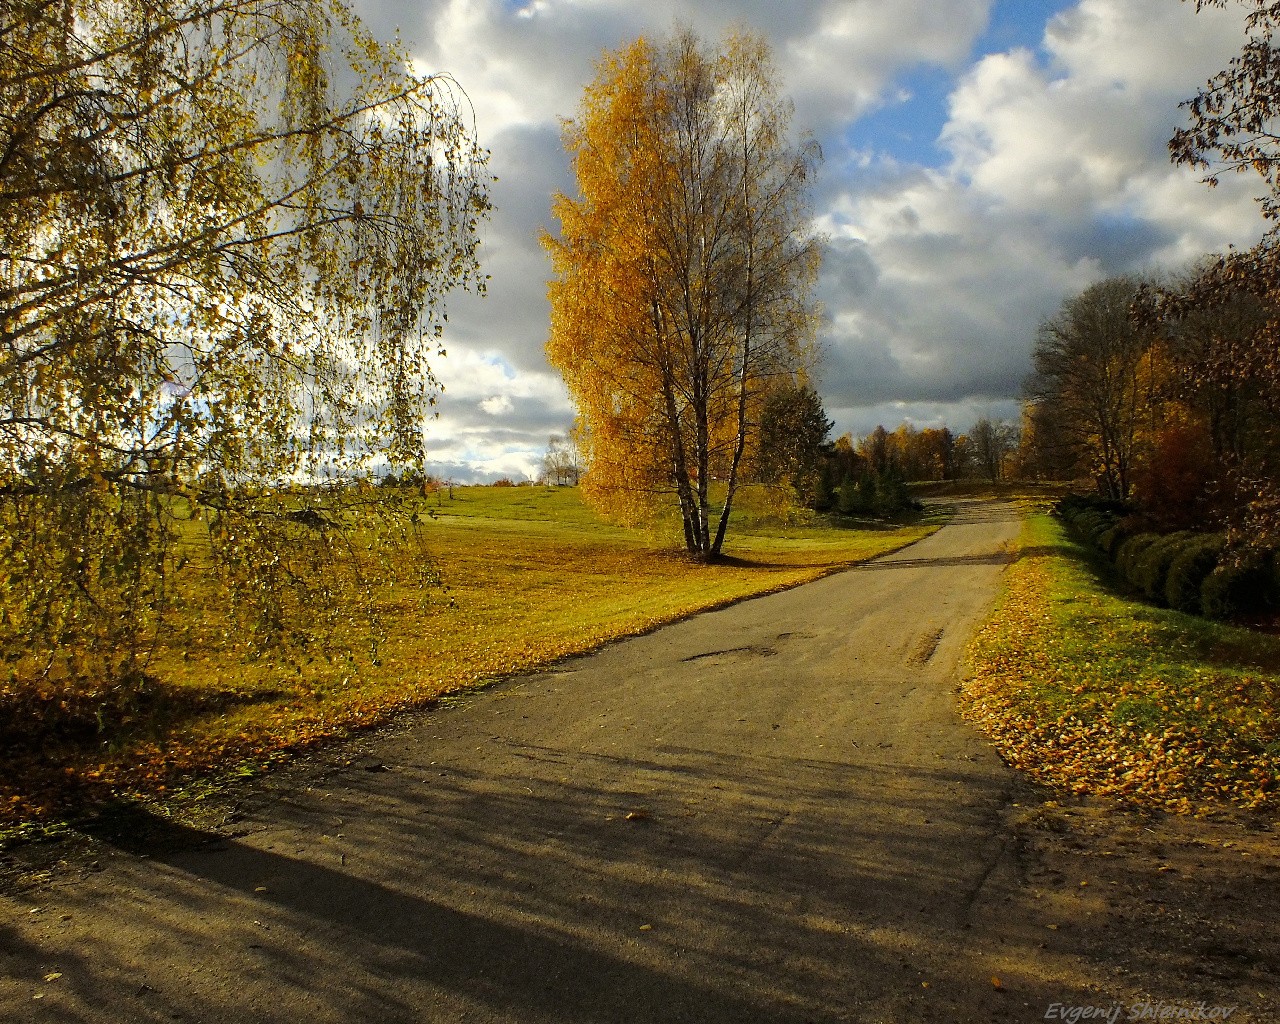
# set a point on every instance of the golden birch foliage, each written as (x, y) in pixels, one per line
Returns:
(603, 259)
(684, 273)
(226, 231)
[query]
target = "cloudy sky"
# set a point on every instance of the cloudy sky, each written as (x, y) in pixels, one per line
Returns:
(984, 159)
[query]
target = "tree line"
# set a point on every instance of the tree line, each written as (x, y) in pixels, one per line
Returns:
(685, 268)
(795, 455)
(868, 476)
(1165, 394)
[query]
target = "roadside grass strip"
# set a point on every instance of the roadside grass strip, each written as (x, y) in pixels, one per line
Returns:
(1093, 692)
(530, 576)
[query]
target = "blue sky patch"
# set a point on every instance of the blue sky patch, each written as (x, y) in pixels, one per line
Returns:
(1016, 23)
(907, 129)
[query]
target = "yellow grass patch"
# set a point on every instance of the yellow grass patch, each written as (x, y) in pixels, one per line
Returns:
(530, 576)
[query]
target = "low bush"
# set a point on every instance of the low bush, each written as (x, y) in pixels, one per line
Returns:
(1110, 540)
(1092, 524)
(1195, 560)
(1239, 585)
(1187, 571)
(1151, 568)
(1131, 550)
(1073, 504)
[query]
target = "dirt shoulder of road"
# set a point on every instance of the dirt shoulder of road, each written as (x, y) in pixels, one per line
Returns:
(1161, 902)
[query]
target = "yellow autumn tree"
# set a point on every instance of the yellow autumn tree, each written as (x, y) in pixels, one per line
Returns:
(684, 273)
(227, 231)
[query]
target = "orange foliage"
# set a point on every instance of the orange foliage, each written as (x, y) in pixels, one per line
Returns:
(684, 271)
(603, 259)
(1173, 482)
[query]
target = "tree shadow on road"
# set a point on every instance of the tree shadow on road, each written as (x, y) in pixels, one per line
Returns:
(689, 885)
(942, 561)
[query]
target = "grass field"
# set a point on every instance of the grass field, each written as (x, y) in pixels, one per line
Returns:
(530, 575)
(1095, 692)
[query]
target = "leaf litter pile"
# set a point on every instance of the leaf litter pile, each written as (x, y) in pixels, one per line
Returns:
(1092, 692)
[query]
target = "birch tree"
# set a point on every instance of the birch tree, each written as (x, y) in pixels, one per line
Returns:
(227, 228)
(684, 273)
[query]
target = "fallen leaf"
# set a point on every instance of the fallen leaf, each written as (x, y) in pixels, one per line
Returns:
(53, 976)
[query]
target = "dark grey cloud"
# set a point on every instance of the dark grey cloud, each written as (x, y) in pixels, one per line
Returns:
(530, 164)
(958, 417)
(848, 273)
(1120, 244)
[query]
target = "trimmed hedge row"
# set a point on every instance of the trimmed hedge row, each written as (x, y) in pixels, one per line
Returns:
(1192, 572)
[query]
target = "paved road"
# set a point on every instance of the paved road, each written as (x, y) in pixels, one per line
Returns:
(769, 813)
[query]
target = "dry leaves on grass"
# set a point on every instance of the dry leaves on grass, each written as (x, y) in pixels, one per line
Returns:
(1088, 714)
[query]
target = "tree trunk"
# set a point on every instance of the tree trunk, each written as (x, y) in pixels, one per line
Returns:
(703, 441)
(679, 461)
(740, 441)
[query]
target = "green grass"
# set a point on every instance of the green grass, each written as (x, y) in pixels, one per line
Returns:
(530, 575)
(1092, 691)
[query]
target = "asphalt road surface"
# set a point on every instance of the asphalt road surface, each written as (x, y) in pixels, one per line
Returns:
(768, 813)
